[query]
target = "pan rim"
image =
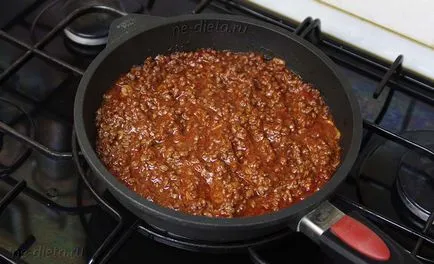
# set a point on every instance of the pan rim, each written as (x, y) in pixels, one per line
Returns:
(202, 221)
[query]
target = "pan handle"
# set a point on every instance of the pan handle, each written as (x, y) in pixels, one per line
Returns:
(351, 238)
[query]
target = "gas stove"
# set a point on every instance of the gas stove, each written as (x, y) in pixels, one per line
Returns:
(52, 209)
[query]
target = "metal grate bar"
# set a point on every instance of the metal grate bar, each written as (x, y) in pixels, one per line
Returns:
(425, 230)
(10, 196)
(419, 91)
(310, 29)
(47, 38)
(47, 202)
(24, 13)
(10, 168)
(121, 241)
(150, 4)
(302, 26)
(384, 107)
(20, 187)
(395, 68)
(37, 52)
(34, 50)
(344, 55)
(33, 144)
(201, 6)
(24, 246)
(8, 257)
(380, 218)
(107, 245)
(39, 15)
(397, 138)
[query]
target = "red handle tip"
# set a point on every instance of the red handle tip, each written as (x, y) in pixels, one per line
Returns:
(361, 238)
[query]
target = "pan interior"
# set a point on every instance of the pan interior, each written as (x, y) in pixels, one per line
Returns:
(234, 36)
(225, 33)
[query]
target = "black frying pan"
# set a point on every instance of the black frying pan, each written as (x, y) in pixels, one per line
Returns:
(135, 37)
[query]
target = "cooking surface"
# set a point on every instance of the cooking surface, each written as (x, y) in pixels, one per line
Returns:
(47, 92)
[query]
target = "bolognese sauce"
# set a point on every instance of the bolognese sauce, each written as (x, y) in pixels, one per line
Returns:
(217, 133)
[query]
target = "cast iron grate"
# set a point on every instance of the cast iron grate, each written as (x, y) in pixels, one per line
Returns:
(392, 76)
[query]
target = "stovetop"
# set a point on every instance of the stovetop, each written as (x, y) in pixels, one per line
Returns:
(48, 214)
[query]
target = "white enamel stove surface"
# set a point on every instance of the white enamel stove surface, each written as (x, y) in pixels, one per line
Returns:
(385, 28)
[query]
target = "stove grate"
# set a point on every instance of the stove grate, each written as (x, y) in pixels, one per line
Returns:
(392, 76)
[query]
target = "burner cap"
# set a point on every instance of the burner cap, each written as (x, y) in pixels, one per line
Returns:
(90, 29)
(86, 50)
(415, 182)
(408, 174)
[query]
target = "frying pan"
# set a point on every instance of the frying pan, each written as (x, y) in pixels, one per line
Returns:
(135, 37)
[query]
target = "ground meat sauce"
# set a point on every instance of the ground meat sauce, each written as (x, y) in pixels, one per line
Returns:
(217, 133)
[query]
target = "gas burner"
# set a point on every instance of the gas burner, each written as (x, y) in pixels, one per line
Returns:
(90, 51)
(403, 181)
(415, 181)
(407, 174)
(90, 29)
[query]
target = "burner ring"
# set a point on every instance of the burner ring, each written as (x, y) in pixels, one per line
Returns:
(414, 208)
(402, 171)
(414, 185)
(85, 41)
(91, 29)
(379, 179)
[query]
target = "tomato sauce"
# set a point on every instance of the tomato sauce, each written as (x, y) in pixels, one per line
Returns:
(217, 133)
